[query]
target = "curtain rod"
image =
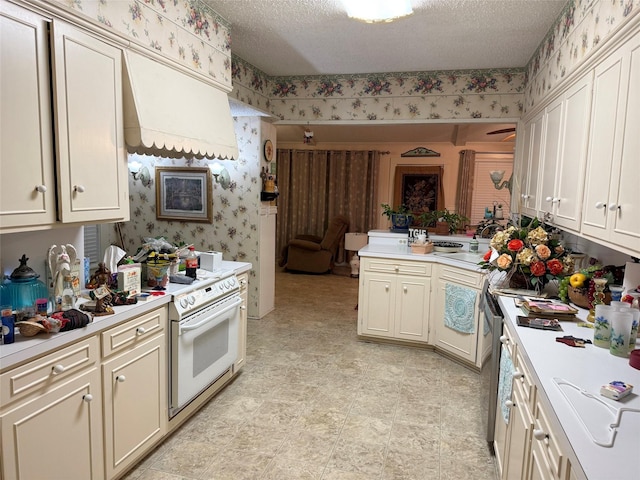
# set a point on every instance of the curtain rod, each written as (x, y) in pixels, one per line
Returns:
(494, 153)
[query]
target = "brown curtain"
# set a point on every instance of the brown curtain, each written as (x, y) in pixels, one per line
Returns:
(316, 185)
(465, 182)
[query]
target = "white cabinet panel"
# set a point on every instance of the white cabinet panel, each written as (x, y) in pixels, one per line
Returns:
(27, 184)
(92, 162)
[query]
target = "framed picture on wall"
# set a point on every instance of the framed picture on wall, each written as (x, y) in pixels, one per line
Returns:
(184, 194)
(419, 188)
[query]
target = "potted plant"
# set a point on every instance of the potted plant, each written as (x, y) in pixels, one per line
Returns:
(401, 217)
(444, 221)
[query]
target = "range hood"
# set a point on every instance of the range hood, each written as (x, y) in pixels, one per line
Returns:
(171, 114)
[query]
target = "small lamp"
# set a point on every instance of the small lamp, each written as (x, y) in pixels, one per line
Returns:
(496, 178)
(138, 172)
(354, 242)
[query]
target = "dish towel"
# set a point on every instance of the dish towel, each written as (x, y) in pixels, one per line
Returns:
(459, 308)
(504, 383)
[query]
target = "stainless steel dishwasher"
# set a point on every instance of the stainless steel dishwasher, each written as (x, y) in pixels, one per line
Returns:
(493, 315)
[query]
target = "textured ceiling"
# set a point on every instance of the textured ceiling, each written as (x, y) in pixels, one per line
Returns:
(315, 37)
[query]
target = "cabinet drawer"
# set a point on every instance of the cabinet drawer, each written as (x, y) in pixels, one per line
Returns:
(462, 276)
(47, 372)
(398, 266)
(522, 375)
(544, 436)
(133, 332)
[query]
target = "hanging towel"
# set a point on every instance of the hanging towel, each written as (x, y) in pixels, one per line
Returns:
(459, 308)
(505, 383)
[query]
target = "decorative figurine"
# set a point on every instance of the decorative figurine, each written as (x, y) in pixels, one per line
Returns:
(60, 260)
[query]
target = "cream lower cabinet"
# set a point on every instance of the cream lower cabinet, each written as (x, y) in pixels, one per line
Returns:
(472, 347)
(394, 298)
(51, 416)
(528, 446)
(243, 279)
(134, 383)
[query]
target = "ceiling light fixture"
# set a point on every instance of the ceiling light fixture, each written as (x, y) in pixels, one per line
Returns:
(375, 11)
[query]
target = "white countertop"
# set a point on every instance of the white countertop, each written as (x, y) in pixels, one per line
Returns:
(588, 368)
(462, 259)
(26, 348)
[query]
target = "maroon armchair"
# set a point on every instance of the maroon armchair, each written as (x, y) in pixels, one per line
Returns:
(312, 254)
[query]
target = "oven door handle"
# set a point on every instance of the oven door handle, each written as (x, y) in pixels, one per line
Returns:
(186, 328)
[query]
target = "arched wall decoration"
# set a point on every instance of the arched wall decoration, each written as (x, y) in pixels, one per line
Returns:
(420, 152)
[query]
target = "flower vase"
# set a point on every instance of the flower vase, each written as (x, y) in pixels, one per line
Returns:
(520, 281)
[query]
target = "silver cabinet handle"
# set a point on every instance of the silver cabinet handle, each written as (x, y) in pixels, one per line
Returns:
(120, 378)
(87, 398)
(504, 339)
(509, 404)
(140, 331)
(600, 205)
(57, 369)
(41, 188)
(518, 374)
(613, 207)
(79, 188)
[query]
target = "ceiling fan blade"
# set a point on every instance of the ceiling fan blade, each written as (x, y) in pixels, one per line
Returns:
(503, 130)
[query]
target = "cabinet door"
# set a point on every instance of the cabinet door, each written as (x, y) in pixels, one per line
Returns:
(376, 304)
(27, 185)
(92, 161)
(521, 425)
(462, 345)
(531, 165)
(572, 155)
(550, 155)
(135, 403)
(611, 211)
(412, 308)
(57, 435)
(626, 214)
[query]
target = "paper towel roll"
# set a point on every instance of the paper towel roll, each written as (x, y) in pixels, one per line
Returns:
(631, 276)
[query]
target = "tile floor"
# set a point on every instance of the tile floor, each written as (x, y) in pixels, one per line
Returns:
(314, 402)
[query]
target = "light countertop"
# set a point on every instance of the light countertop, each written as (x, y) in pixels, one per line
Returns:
(462, 259)
(587, 368)
(27, 348)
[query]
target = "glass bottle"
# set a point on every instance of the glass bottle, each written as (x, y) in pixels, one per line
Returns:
(473, 245)
(598, 297)
(68, 295)
(191, 263)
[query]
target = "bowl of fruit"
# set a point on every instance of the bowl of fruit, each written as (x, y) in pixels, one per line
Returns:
(579, 288)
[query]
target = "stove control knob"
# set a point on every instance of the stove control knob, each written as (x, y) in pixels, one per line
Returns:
(192, 299)
(184, 302)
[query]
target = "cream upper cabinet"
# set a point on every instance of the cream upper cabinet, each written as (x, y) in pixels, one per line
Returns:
(62, 134)
(611, 207)
(564, 155)
(529, 167)
(27, 184)
(92, 161)
(393, 300)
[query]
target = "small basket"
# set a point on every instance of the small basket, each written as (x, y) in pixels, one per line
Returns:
(30, 329)
(422, 248)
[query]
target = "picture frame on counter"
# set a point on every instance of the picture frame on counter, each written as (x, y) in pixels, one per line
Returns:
(184, 194)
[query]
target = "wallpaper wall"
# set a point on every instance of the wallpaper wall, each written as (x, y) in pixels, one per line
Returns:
(583, 27)
(186, 31)
(235, 227)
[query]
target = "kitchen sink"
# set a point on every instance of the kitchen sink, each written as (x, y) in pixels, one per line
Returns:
(467, 257)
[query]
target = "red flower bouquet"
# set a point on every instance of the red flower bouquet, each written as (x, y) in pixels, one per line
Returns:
(529, 253)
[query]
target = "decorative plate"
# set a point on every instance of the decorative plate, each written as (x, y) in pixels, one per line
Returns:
(268, 151)
(446, 247)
